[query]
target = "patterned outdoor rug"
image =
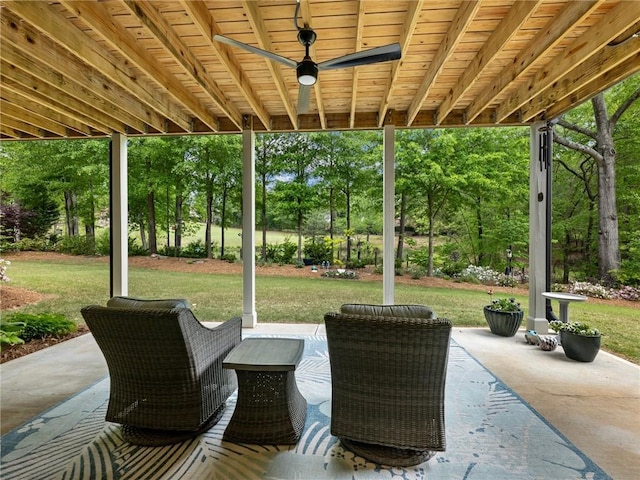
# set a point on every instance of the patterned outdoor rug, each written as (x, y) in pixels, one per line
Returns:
(491, 434)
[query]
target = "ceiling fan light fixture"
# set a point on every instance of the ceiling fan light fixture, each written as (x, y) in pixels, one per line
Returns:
(307, 72)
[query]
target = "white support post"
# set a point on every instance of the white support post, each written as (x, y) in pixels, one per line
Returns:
(389, 216)
(119, 217)
(249, 316)
(536, 318)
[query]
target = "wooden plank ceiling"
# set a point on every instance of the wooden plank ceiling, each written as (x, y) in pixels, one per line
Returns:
(81, 69)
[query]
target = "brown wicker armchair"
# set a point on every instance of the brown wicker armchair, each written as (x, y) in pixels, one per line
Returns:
(167, 380)
(388, 370)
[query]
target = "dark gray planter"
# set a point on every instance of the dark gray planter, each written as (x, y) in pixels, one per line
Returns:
(580, 347)
(501, 323)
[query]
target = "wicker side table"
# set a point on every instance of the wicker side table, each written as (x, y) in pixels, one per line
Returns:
(270, 408)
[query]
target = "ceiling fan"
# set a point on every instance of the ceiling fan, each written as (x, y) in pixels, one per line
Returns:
(307, 69)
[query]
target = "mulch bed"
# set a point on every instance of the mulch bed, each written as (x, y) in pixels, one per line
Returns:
(16, 351)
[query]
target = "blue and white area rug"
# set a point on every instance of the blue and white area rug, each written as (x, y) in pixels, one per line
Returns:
(491, 434)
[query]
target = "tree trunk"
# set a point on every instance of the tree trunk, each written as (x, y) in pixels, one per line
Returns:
(299, 227)
(143, 233)
(71, 213)
(177, 238)
(223, 220)
(151, 214)
(403, 215)
(263, 215)
(432, 216)
(348, 198)
(566, 264)
(209, 221)
(608, 242)
(480, 258)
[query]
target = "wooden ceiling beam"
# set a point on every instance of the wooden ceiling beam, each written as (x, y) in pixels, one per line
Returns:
(357, 47)
(553, 32)
(207, 27)
(162, 31)
(56, 27)
(19, 96)
(307, 19)
(518, 14)
(411, 20)
(264, 42)
(51, 97)
(9, 131)
(604, 81)
(463, 17)
(66, 85)
(617, 20)
(25, 47)
(119, 38)
(22, 126)
(20, 113)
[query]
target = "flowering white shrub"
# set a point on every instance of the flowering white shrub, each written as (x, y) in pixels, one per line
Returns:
(3, 270)
(590, 290)
(482, 274)
(341, 273)
(487, 276)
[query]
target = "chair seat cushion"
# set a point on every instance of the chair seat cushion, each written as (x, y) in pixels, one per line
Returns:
(130, 302)
(413, 311)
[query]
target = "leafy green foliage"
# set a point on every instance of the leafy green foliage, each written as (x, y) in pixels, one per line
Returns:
(10, 333)
(318, 252)
(40, 325)
(77, 245)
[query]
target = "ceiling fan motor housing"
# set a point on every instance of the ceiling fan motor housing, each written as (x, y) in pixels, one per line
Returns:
(306, 37)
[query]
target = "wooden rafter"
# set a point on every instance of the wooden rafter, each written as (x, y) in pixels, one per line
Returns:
(411, 20)
(70, 95)
(262, 36)
(590, 89)
(357, 47)
(208, 28)
(173, 44)
(20, 113)
(458, 28)
(57, 28)
(120, 39)
(57, 115)
(620, 18)
(518, 14)
(605, 60)
(28, 49)
(46, 96)
(548, 37)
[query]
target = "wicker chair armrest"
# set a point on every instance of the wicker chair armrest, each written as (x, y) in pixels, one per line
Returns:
(212, 345)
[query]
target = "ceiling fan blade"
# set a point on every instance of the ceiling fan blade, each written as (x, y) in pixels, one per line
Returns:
(304, 92)
(365, 57)
(258, 51)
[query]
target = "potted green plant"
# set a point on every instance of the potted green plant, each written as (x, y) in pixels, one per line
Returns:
(579, 340)
(504, 315)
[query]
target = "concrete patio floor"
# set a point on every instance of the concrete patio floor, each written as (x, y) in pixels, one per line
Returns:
(595, 405)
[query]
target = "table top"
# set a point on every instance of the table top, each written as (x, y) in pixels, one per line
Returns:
(265, 354)
(564, 297)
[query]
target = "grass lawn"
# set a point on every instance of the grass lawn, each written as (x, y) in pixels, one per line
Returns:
(82, 281)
